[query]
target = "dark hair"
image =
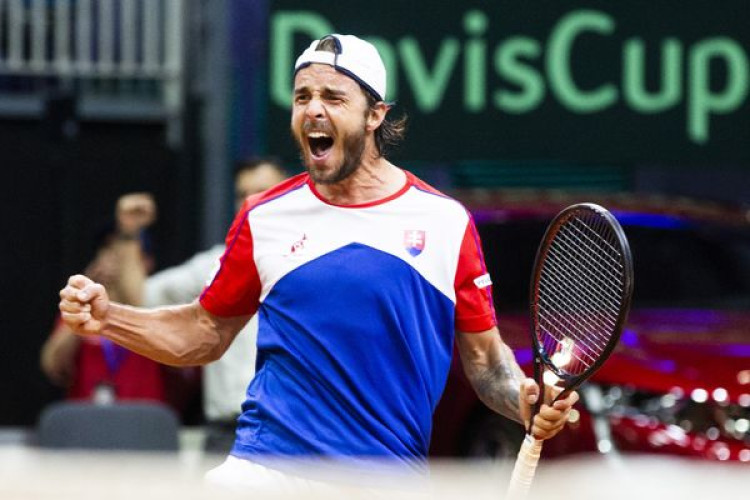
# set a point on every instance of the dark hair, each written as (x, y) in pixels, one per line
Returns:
(249, 164)
(328, 44)
(391, 132)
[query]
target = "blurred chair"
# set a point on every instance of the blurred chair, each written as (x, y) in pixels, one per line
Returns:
(121, 426)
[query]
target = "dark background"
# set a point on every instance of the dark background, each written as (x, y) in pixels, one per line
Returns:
(58, 193)
(616, 136)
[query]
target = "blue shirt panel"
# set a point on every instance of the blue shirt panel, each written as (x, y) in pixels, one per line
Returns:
(353, 353)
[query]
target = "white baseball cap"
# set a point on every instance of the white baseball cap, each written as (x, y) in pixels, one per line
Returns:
(354, 57)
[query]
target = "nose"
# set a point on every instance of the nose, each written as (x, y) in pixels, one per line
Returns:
(315, 108)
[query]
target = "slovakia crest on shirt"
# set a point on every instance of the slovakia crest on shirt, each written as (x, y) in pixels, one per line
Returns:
(414, 240)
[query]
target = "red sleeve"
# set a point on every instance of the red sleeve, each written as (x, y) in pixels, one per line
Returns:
(475, 311)
(235, 288)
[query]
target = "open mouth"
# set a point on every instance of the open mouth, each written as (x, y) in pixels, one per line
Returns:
(320, 143)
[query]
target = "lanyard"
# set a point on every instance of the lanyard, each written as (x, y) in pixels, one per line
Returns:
(114, 355)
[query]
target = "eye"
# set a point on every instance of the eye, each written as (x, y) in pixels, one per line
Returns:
(334, 97)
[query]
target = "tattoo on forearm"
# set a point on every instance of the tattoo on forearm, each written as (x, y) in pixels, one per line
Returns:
(498, 384)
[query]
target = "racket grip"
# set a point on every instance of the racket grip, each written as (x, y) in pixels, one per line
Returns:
(523, 471)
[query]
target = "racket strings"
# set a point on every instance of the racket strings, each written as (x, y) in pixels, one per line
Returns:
(558, 265)
(579, 295)
(604, 319)
(558, 331)
(574, 319)
(575, 323)
(589, 253)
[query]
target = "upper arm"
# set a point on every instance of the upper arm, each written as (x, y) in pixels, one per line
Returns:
(235, 287)
(474, 307)
(225, 327)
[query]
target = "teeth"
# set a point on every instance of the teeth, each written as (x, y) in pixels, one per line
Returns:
(317, 135)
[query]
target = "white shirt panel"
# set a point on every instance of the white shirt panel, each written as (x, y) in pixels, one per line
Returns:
(298, 227)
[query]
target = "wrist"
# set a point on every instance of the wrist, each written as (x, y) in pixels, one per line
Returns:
(108, 318)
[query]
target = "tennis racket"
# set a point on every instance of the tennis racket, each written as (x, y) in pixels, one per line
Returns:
(581, 288)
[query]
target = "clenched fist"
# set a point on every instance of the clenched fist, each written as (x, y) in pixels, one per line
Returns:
(84, 305)
(135, 212)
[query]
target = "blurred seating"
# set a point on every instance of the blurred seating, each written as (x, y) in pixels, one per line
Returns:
(118, 60)
(146, 426)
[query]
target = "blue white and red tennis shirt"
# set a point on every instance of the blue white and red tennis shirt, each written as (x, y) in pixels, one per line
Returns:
(357, 308)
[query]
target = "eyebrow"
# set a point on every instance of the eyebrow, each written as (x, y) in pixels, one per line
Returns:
(327, 91)
(334, 92)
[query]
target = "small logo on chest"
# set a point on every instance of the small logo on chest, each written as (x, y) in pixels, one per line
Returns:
(414, 241)
(297, 249)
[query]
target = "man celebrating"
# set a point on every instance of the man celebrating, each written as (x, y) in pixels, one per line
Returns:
(360, 273)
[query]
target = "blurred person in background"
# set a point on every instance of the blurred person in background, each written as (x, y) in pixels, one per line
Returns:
(225, 380)
(95, 368)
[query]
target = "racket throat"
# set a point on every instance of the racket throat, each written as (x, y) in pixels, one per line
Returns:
(536, 407)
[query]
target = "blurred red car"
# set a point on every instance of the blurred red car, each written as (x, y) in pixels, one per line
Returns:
(679, 380)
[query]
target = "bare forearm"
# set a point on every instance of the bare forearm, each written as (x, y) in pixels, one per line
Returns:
(494, 374)
(177, 335)
(131, 275)
(57, 358)
(498, 383)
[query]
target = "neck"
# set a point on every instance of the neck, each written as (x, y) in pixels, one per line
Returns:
(373, 180)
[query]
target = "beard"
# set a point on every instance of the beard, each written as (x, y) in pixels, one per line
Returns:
(353, 148)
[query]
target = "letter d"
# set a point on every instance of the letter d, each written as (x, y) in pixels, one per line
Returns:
(284, 26)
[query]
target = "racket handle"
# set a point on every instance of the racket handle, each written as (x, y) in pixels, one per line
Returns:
(523, 472)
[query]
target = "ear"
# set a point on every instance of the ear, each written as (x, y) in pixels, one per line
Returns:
(376, 115)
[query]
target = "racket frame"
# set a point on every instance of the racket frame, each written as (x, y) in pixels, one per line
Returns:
(541, 360)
